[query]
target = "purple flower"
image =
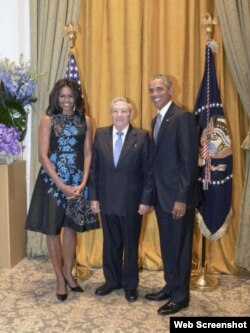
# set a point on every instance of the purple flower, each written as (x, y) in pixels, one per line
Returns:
(17, 80)
(17, 84)
(9, 140)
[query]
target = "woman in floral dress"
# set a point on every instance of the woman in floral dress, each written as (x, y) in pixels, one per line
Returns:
(60, 198)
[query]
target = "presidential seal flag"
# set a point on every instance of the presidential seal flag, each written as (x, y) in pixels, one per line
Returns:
(215, 154)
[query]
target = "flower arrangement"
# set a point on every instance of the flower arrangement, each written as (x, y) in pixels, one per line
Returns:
(17, 85)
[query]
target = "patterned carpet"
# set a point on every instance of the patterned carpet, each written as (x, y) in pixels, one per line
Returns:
(28, 303)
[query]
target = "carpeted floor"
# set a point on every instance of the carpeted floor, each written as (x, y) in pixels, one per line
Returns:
(28, 303)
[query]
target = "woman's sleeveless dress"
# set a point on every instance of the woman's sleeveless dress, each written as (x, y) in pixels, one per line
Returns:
(49, 208)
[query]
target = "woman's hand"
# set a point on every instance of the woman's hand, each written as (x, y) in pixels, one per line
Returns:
(71, 192)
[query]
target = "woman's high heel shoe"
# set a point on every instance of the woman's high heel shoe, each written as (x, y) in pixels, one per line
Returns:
(76, 289)
(61, 297)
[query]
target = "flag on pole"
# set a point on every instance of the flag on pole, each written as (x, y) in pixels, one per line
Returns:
(72, 70)
(215, 154)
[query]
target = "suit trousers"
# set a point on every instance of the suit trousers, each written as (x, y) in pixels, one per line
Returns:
(120, 250)
(176, 248)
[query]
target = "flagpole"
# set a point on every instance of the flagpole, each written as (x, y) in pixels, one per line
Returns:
(201, 281)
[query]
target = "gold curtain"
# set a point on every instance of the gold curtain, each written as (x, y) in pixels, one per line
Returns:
(120, 45)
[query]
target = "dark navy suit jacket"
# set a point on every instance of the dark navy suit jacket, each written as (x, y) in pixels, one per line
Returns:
(121, 189)
(175, 156)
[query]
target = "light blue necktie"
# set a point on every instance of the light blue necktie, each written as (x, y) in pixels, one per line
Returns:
(118, 147)
(157, 126)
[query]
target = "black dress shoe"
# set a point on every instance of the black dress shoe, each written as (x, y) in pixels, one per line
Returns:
(61, 297)
(172, 307)
(103, 290)
(76, 289)
(160, 296)
(131, 295)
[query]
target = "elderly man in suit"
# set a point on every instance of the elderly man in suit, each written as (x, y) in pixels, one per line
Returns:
(175, 160)
(121, 190)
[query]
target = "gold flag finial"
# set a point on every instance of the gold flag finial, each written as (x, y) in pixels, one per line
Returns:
(208, 21)
(70, 30)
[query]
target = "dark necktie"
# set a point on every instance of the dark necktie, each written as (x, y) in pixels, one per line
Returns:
(157, 126)
(117, 147)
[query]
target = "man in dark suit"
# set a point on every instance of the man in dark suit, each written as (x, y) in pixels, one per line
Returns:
(122, 192)
(175, 159)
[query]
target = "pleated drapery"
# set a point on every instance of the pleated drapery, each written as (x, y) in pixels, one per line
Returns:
(121, 44)
(49, 55)
(235, 20)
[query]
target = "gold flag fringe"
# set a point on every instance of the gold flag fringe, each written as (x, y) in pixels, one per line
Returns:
(206, 232)
(80, 272)
(246, 143)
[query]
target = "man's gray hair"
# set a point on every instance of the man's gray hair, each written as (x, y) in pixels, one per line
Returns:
(120, 99)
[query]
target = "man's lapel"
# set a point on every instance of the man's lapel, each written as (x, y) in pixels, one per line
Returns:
(165, 122)
(129, 142)
(108, 144)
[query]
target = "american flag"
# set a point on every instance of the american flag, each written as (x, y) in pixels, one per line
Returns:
(72, 70)
(215, 155)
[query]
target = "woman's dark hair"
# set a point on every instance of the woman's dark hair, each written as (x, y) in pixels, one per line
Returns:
(54, 107)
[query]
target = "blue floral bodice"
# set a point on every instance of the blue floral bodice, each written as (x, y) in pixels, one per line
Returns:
(66, 152)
